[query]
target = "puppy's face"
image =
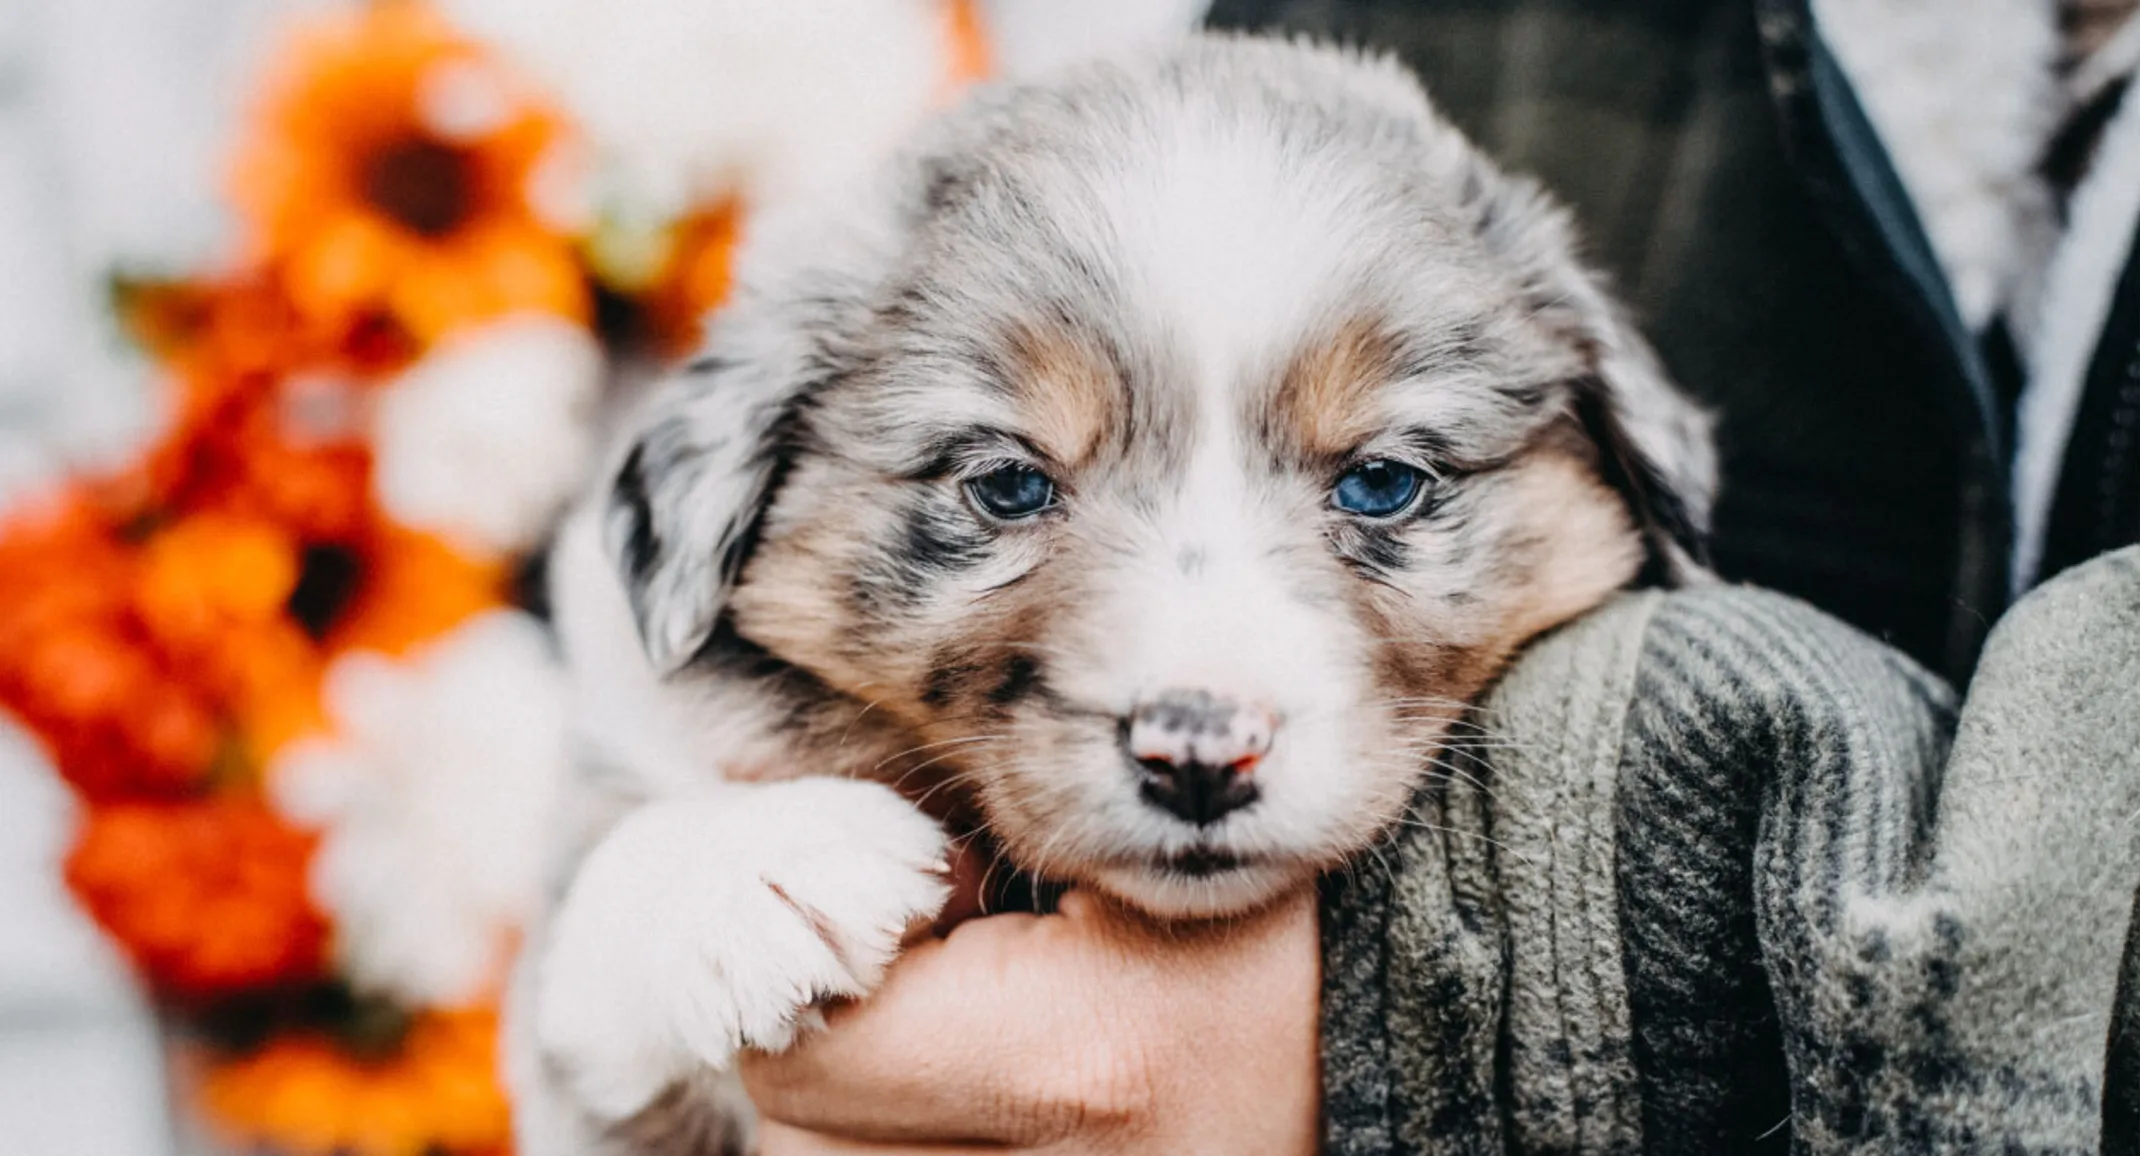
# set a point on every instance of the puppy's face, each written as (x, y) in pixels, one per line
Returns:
(1187, 465)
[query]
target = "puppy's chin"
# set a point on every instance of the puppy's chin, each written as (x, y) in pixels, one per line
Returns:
(1206, 886)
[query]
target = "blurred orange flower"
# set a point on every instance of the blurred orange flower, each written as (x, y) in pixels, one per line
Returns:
(414, 588)
(176, 619)
(216, 593)
(290, 454)
(240, 333)
(437, 1092)
(165, 630)
(694, 277)
(387, 589)
(396, 172)
(207, 897)
(76, 668)
(967, 56)
(208, 577)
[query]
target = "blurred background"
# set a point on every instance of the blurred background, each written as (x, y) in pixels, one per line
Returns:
(313, 309)
(160, 162)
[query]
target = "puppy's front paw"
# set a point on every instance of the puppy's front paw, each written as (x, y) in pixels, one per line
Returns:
(700, 926)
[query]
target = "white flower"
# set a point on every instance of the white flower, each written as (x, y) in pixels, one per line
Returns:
(693, 99)
(486, 437)
(432, 797)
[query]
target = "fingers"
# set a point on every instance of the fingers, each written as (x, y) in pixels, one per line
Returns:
(943, 1051)
(1022, 1029)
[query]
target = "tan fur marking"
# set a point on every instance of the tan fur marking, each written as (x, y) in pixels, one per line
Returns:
(1586, 546)
(1068, 396)
(1572, 545)
(787, 603)
(1325, 402)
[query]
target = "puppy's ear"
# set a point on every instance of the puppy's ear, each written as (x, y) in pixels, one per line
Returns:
(685, 504)
(1654, 447)
(1654, 444)
(690, 492)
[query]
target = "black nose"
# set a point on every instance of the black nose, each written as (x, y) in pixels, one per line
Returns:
(1198, 752)
(1201, 793)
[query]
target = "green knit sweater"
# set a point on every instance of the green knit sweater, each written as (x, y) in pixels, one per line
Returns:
(1714, 873)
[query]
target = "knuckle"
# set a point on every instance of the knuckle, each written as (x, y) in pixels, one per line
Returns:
(1120, 1089)
(1106, 1089)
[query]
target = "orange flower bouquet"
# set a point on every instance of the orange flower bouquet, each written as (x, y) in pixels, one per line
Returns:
(289, 658)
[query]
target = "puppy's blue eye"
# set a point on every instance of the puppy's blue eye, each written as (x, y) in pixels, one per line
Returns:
(1377, 489)
(1012, 492)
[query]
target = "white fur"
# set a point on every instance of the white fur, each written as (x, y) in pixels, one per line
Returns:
(712, 922)
(623, 711)
(1226, 623)
(1964, 94)
(1234, 274)
(672, 949)
(2083, 277)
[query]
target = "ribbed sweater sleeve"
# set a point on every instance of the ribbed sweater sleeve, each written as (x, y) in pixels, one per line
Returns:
(1707, 878)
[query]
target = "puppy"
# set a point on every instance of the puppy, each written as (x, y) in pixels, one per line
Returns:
(1156, 461)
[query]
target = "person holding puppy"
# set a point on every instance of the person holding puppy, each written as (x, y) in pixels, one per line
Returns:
(1736, 877)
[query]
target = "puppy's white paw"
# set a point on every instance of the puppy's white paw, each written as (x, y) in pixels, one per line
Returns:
(703, 925)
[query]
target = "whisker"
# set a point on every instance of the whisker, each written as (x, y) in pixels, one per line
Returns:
(849, 732)
(899, 783)
(930, 747)
(958, 777)
(1040, 648)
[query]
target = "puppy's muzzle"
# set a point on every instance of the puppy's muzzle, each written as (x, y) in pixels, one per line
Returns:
(1198, 752)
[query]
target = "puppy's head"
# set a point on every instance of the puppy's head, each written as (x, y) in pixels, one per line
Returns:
(1178, 448)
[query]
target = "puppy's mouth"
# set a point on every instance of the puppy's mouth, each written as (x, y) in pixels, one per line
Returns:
(1200, 862)
(1195, 882)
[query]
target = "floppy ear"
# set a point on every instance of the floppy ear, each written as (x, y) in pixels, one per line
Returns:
(1654, 447)
(1654, 444)
(691, 489)
(685, 504)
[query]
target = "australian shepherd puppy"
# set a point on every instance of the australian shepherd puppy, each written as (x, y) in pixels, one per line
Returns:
(1149, 466)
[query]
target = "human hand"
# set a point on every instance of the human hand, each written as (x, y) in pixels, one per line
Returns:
(1086, 1031)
